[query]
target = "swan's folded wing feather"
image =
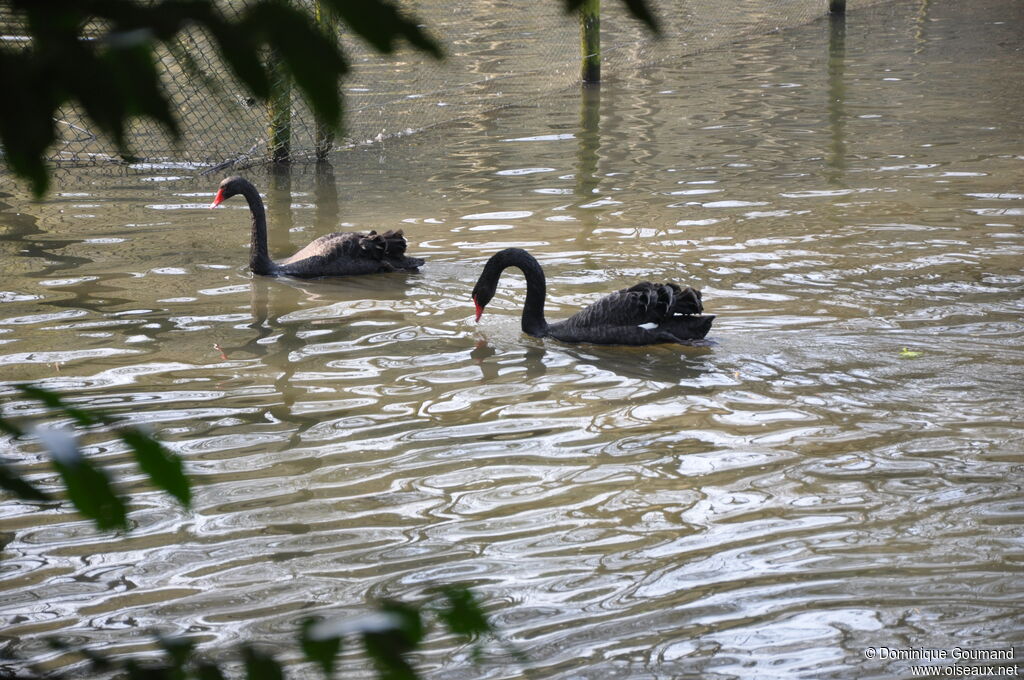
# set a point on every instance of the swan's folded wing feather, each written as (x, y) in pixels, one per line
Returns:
(330, 246)
(644, 303)
(354, 244)
(394, 243)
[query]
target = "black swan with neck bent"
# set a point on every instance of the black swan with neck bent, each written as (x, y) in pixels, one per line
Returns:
(337, 254)
(644, 314)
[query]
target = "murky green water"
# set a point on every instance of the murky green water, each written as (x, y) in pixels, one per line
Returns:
(767, 507)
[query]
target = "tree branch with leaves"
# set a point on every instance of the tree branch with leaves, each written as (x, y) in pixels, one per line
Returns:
(101, 55)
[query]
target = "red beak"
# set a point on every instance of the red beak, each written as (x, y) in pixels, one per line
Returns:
(479, 310)
(218, 198)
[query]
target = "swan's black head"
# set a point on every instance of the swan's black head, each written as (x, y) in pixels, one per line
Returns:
(487, 284)
(231, 186)
(481, 296)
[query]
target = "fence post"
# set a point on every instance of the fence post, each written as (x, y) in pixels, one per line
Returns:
(590, 40)
(324, 133)
(588, 160)
(837, 6)
(279, 111)
(837, 97)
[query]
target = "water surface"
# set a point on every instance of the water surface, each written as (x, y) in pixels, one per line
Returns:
(769, 506)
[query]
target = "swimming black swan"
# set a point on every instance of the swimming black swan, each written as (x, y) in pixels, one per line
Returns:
(338, 254)
(646, 314)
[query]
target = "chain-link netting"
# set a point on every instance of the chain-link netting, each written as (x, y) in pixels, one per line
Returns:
(499, 53)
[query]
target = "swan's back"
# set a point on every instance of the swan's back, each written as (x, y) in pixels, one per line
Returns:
(644, 314)
(328, 246)
(351, 253)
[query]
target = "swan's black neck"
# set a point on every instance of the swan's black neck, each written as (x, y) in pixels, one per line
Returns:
(536, 289)
(259, 258)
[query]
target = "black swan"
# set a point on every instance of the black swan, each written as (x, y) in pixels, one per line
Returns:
(646, 314)
(338, 254)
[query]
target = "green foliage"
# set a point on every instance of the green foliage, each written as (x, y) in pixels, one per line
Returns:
(394, 630)
(10, 481)
(97, 661)
(462, 613)
(638, 8)
(260, 665)
(388, 635)
(88, 487)
(90, 491)
(322, 651)
(180, 652)
(101, 55)
(388, 645)
(53, 400)
(206, 670)
(163, 468)
(381, 24)
(114, 76)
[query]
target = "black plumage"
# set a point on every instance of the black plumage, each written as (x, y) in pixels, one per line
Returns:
(644, 314)
(337, 254)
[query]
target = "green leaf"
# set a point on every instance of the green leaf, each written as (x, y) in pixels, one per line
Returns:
(409, 618)
(90, 491)
(11, 481)
(462, 613)
(10, 428)
(162, 466)
(638, 8)
(381, 24)
(322, 651)
(98, 662)
(53, 400)
(241, 53)
(27, 130)
(179, 650)
(140, 84)
(260, 666)
(386, 651)
(137, 671)
(206, 670)
(312, 57)
(387, 648)
(117, 84)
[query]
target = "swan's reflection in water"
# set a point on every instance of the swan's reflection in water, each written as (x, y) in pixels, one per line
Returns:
(670, 363)
(492, 363)
(325, 193)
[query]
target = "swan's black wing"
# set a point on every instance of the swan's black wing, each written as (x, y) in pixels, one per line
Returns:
(642, 304)
(645, 314)
(351, 253)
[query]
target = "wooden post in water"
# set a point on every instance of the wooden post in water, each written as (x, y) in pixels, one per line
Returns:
(590, 41)
(837, 98)
(837, 6)
(279, 111)
(324, 133)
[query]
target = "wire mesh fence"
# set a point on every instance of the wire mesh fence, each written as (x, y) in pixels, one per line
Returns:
(499, 53)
